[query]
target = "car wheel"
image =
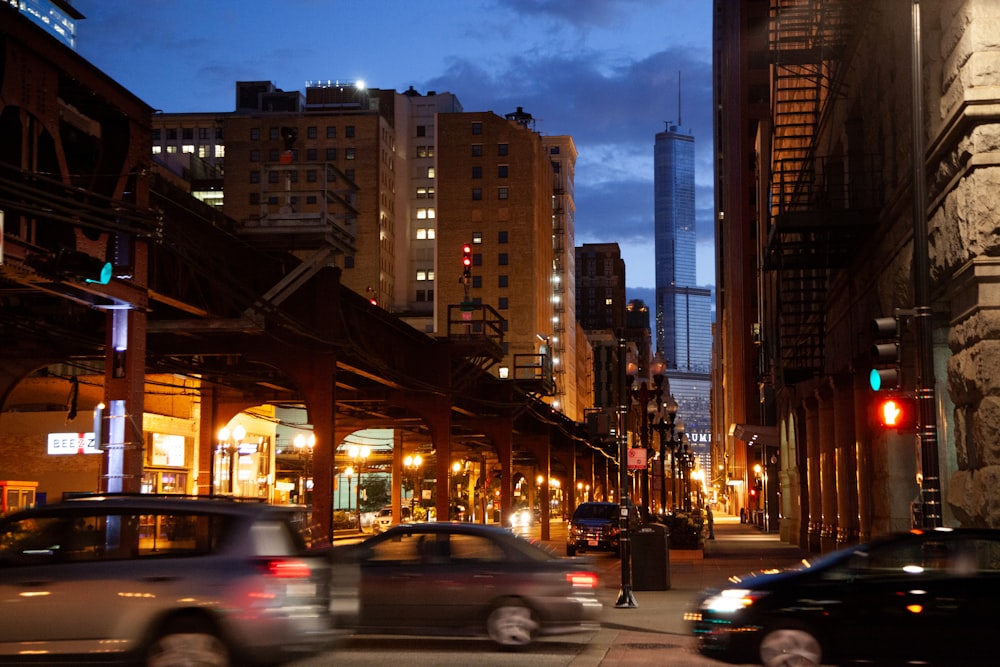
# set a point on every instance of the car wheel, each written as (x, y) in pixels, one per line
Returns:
(188, 643)
(511, 623)
(790, 647)
(570, 550)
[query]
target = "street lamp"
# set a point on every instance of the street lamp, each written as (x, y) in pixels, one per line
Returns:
(349, 473)
(670, 407)
(412, 464)
(304, 448)
(359, 454)
(229, 445)
(648, 400)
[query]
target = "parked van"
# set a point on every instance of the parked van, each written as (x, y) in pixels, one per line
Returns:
(383, 519)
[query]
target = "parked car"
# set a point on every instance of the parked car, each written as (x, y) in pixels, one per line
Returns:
(162, 580)
(925, 597)
(594, 526)
(471, 579)
(383, 519)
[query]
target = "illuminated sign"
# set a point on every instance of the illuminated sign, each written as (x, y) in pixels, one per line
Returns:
(168, 450)
(72, 443)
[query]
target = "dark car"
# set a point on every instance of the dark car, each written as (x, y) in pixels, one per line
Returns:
(470, 579)
(595, 526)
(922, 597)
(162, 580)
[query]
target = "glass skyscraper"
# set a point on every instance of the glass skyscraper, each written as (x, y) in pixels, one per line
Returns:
(683, 310)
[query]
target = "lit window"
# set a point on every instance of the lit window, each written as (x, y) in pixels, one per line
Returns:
(421, 275)
(202, 151)
(171, 149)
(421, 234)
(157, 150)
(422, 214)
(430, 172)
(220, 150)
(187, 148)
(349, 153)
(430, 214)
(477, 237)
(431, 233)
(430, 275)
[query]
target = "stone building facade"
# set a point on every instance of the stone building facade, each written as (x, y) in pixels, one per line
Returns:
(820, 207)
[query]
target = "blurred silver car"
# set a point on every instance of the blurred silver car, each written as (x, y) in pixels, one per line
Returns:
(469, 579)
(160, 580)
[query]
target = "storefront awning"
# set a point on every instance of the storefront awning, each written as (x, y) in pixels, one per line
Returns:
(755, 433)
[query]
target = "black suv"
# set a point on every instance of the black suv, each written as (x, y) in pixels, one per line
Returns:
(595, 525)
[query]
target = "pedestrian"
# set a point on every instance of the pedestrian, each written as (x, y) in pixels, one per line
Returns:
(711, 522)
(743, 515)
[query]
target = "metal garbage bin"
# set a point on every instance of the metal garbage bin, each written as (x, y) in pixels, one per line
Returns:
(650, 557)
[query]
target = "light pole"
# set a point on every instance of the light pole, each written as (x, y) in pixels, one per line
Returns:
(625, 597)
(670, 408)
(412, 464)
(304, 448)
(229, 444)
(359, 454)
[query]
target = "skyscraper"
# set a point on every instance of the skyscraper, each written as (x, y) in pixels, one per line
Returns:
(683, 310)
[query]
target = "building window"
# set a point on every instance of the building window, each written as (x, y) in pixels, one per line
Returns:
(502, 193)
(477, 128)
(157, 134)
(349, 153)
(477, 259)
(331, 131)
(188, 149)
(426, 233)
(425, 151)
(502, 237)
(421, 130)
(554, 150)
(331, 154)
(310, 199)
(421, 275)
(430, 172)
(502, 281)
(503, 303)
(502, 171)
(172, 134)
(157, 150)
(503, 259)
(477, 194)
(187, 134)
(272, 155)
(425, 193)
(311, 154)
(202, 151)
(477, 172)
(477, 281)
(272, 177)
(421, 295)
(349, 262)
(254, 176)
(255, 155)
(311, 176)
(203, 134)
(254, 134)
(171, 149)
(425, 214)
(220, 150)
(477, 237)
(311, 132)
(477, 150)
(254, 198)
(349, 131)
(501, 149)
(273, 134)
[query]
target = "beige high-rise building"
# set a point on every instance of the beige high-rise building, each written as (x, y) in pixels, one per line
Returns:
(499, 189)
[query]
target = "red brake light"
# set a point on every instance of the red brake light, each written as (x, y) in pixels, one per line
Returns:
(287, 568)
(582, 579)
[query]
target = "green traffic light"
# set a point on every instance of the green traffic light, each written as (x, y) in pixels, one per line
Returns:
(104, 277)
(875, 379)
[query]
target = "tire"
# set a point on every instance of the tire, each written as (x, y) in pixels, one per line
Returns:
(512, 624)
(790, 647)
(188, 643)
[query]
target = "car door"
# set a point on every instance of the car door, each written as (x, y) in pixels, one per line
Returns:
(391, 581)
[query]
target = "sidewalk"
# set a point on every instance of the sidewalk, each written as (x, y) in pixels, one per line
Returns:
(654, 631)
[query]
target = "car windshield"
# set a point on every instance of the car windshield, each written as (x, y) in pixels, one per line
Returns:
(594, 511)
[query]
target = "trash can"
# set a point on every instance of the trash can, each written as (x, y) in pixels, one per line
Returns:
(650, 558)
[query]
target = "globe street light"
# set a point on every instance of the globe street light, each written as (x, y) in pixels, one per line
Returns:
(359, 454)
(412, 464)
(304, 448)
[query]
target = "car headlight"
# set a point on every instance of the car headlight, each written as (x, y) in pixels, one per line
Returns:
(731, 599)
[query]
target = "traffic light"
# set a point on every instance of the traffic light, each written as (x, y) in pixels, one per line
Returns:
(466, 261)
(79, 266)
(896, 412)
(884, 375)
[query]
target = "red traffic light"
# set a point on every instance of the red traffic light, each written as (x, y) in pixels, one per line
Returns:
(896, 412)
(466, 261)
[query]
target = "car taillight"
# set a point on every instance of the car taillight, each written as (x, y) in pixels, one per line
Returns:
(286, 568)
(582, 579)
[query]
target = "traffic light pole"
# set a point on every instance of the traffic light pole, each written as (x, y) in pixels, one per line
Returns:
(625, 597)
(926, 404)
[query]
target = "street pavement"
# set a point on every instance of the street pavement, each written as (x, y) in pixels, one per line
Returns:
(653, 631)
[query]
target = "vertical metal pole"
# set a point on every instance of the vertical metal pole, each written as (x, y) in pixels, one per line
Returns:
(926, 408)
(625, 597)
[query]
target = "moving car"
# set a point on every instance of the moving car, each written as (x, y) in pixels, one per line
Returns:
(162, 580)
(925, 597)
(470, 579)
(594, 526)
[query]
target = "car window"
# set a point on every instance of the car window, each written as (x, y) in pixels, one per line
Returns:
(475, 548)
(594, 511)
(400, 548)
(273, 538)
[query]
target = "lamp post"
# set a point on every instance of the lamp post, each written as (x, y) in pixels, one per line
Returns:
(670, 408)
(229, 444)
(648, 399)
(359, 454)
(349, 473)
(412, 464)
(675, 453)
(625, 597)
(304, 447)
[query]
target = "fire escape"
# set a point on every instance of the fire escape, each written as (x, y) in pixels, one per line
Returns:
(820, 205)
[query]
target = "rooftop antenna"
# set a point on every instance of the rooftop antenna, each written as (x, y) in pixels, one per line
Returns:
(679, 98)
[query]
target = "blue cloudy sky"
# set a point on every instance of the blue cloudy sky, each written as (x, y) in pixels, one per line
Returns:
(602, 71)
